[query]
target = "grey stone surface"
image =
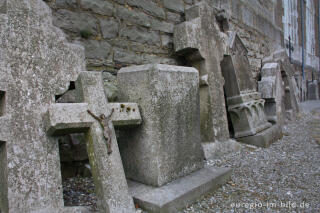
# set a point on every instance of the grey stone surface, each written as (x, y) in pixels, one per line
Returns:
(127, 57)
(313, 90)
(125, 114)
(107, 171)
(245, 106)
(75, 22)
(67, 3)
(179, 193)
(149, 6)
(162, 26)
(272, 90)
(97, 49)
(169, 137)
(44, 63)
(133, 16)
(139, 35)
(176, 5)
(201, 43)
(219, 149)
(109, 28)
(264, 138)
(291, 90)
(99, 6)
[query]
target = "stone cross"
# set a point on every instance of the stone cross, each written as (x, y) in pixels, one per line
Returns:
(200, 42)
(37, 63)
(107, 170)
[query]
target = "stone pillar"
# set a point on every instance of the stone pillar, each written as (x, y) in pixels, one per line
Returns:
(167, 144)
(313, 90)
(272, 91)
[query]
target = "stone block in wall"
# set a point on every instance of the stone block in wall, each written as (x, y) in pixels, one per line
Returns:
(174, 17)
(75, 22)
(149, 6)
(126, 57)
(96, 49)
(98, 6)
(109, 28)
(176, 5)
(166, 41)
(133, 16)
(66, 4)
(162, 26)
(141, 35)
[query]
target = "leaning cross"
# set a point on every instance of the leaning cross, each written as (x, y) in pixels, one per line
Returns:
(107, 170)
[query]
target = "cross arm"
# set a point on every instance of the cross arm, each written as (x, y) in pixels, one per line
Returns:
(125, 114)
(68, 118)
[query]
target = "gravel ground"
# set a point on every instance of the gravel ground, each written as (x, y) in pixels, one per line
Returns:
(282, 178)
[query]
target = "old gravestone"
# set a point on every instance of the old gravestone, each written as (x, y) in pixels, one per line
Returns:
(107, 171)
(245, 105)
(200, 41)
(291, 94)
(36, 64)
(271, 88)
(313, 90)
(163, 156)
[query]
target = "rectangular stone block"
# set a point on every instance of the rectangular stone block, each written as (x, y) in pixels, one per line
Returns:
(167, 144)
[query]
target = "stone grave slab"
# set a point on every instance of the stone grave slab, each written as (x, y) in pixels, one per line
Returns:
(200, 42)
(245, 105)
(36, 64)
(172, 197)
(313, 90)
(167, 146)
(272, 91)
(291, 94)
(107, 170)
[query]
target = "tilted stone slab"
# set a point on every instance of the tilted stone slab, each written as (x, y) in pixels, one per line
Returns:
(36, 63)
(178, 194)
(272, 90)
(167, 144)
(107, 170)
(245, 105)
(201, 43)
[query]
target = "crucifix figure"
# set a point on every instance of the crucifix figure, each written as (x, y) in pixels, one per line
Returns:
(104, 122)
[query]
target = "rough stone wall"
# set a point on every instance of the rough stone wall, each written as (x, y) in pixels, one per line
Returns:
(118, 33)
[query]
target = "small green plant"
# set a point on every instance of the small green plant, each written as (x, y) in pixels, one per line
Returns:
(85, 34)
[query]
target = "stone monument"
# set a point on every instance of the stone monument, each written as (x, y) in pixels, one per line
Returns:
(291, 90)
(200, 41)
(271, 88)
(36, 64)
(163, 157)
(245, 105)
(313, 90)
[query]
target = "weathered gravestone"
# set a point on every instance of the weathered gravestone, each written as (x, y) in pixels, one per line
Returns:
(164, 154)
(291, 90)
(107, 170)
(271, 88)
(245, 105)
(313, 90)
(36, 64)
(200, 41)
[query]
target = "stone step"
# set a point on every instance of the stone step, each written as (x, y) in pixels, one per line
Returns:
(176, 195)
